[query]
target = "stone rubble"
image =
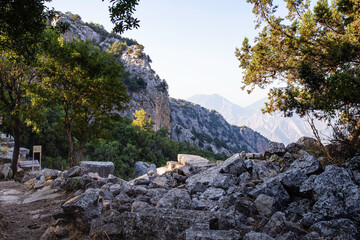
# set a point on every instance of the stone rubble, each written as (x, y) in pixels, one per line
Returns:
(240, 198)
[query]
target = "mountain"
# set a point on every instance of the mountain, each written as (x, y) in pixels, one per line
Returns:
(144, 86)
(186, 122)
(274, 127)
(209, 130)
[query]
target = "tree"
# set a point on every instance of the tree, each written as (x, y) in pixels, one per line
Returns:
(21, 27)
(84, 82)
(141, 122)
(314, 53)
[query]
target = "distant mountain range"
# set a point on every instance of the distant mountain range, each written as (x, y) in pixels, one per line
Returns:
(274, 127)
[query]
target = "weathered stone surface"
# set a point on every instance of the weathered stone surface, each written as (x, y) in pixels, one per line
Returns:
(292, 180)
(102, 168)
(6, 173)
(123, 198)
(307, 142)
(264, 169)
(212, 234)
(308, 164)
(85, 207)
(74, 172)
(162, 182)
(353, 163)
(175, 198)
(196, 163)
(213, 193)
(50, 173)
(257, 236)
(276, 224)
(293, 147)
(234, 165)
(142, 168)
(266, 205)
(276, 148)
(273, 188)
(337, 229)
(296, 210)
(205, 177)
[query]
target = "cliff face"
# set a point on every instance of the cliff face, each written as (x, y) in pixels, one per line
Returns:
(209, 130)
(145, 87)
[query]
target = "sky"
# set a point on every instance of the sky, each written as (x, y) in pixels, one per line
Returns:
(191, 42)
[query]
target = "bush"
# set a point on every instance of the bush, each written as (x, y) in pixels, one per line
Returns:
(117, 48)
(135, 84)
(75, 18)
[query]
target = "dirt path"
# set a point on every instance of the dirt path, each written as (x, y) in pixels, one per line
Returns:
(26, 214)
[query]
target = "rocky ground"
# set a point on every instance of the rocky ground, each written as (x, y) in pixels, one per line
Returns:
(24, 213)
(284, 194)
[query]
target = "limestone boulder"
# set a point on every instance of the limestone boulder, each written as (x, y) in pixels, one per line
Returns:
(102, 168)
(6, 172)
(175, 198)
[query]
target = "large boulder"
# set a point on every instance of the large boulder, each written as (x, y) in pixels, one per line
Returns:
(196, 163)
(337, 229)
(308, 164)
(234, 165)
(84, 208)
(277, 148)
(264, 169)
(102, 168)
(175, 198)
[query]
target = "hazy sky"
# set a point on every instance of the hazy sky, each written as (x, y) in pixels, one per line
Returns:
(191, 42)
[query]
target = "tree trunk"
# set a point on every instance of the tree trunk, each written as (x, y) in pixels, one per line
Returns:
(15, 157)
(71, 145)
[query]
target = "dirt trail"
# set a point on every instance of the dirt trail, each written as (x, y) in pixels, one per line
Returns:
(24, 213)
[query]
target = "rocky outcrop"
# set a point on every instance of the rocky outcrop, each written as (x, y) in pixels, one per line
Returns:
(209, 130)
(152, 94)
(195, 199)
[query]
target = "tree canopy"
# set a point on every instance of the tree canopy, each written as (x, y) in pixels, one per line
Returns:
(314, 52)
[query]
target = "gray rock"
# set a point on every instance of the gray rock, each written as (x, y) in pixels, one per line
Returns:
(266, 205)
(141, 181)
(50, 173)
(333, 180)
(296, 210)
(234, 165)
(337, 229)
(273, 188)
(257, 236)
(223, 181)
(85, 208)
(197, 187)
(277, 148)
(123, 186)
(307, 142)
(196, 163)
(162, 182)
(175, 198)
(74, 172)
(264, 169)
(276, 224)
(102, 168)
(205, 177)
(308, 164)
(352, 202)
(192, 234)
(288, 158)
(139, 206)
(6, 173)
(123, 198)
(245, 177)
(142, 168)
(213, 193)
(293, 148)
(155, 195)
(105, 195)
(292, 180)
(329, 206)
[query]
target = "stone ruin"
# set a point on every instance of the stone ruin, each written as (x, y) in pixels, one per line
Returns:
(284, 194)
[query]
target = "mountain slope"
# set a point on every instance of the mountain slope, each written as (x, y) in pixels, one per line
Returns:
(274, 127)
(209, 130)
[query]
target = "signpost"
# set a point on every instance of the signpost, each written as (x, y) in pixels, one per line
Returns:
(36, 149)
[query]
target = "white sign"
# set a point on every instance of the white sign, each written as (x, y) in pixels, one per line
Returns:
(36, 149)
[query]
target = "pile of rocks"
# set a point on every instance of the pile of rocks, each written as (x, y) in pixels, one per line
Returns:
(288, 195)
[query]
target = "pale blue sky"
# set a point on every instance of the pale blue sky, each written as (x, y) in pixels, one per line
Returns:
(191, 42)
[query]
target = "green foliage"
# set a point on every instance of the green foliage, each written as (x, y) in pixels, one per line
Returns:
(117, 48)
(121, 15)
(75, 18)
(84, 82)
(129, 145)
(134, 84)
(141, 122)
(315, 53)
(139, 51)
(130, 51)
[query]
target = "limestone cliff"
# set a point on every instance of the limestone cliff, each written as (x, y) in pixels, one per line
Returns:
(209, 130)
(145, 87)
